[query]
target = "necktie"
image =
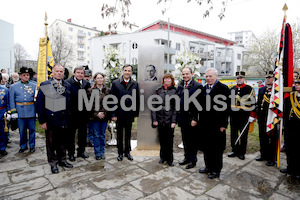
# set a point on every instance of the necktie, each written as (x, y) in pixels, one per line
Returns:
(185, 84)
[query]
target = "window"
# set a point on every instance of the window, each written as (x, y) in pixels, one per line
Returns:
(80, 46)
(80, 31)
(192, 49)
(70, 29)
(80, 40)
(239, 56)
(238, 68)
(70, 37)
(80, 54)
(89, 33)
(178, 46)
(212, 65)
(103, 47)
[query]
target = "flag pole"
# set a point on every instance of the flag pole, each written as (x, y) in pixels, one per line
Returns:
(46, 33)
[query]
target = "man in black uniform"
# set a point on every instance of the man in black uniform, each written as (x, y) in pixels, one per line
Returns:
(291, 130)
(124, 118)
(79, 118)
(55, 123)
(241, 106)
(188, 119)
(267, 140)
(214, 120)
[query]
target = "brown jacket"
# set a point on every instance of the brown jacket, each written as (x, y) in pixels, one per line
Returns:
(93, 113)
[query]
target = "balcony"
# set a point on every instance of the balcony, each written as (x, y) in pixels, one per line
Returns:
(171, 67)
(80, 42)
(224, 59)
(81, 58)
(81, 49)
(172, 51)
(81, 34)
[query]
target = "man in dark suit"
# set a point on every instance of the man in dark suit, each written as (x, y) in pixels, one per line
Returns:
(79, 118)
(214, 121)
(55, 122)
(241, 108)
(188, 118)
(125, 85)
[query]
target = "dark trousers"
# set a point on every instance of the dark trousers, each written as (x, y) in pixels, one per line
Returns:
(237, 124)
(56, 145)
(166, 136)
(268, 143)
(189, 140)
(293, 154)
(120, 130)
(81, 126)
(213, 160)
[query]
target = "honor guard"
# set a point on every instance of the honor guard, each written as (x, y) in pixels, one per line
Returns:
(267, 140)
(291, 130)
(4, 117)
(22, 107)
(240, 115)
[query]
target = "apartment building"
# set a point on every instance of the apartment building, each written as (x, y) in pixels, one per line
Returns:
(7, 53)
(77, 36)
(241, 37)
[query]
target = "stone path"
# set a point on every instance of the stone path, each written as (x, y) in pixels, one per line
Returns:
(28, 176)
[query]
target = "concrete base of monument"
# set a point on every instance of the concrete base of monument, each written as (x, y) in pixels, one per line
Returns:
(144, 150)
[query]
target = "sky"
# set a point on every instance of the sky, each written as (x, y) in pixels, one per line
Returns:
(255, 15)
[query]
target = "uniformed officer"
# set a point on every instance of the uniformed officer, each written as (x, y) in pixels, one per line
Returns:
(267, 140)
(22, 107)
(4, 112)
(240, 115)
(291, 130)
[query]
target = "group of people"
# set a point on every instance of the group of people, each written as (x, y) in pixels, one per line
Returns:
(203, 114)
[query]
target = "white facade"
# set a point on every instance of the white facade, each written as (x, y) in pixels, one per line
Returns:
(241, 37)
(7, 53)
(78, 36)
(226, 59)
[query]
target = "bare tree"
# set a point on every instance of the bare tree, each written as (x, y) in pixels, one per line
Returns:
(296, 43)
(20, 56)
(122, 8)
(62, 49)
(263, 53)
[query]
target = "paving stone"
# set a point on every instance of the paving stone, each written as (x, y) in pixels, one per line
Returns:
(124, 193)
(276, 196)
(170, 193)
(251, 183)
(27, 188)
(77, 174)
(289, 188)
(27, 173)
(4, 180)
(9, 166)
(204, 197)
(152, 165)
(163, 178)
(225, 192)
(118, 177)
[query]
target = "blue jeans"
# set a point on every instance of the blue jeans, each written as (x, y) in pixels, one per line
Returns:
(99, 128)
(24, 124)
(90, 132)
(2, 136)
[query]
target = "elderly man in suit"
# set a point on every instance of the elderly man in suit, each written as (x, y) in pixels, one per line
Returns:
(22, 107)
(55, 122)
(214, 120)
(123, 117)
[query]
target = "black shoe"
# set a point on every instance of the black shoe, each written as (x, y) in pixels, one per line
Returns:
(284, 171)
(129, 157)
(90, 144)
(120, 157)
(66, 164)
(8, 141)
(232, 154)
(32, 150)
(283, 149)
(203, 170)
(3, 153)
(54, 170)
(190, 165)
(102, 157)
(184, 162)
(23, 150)
(213, 175)
(82, 155)
(72, 158)
(242, 157)
(260, 158)
(270, 163)
(171, 164)
(98, 158)
(161, 161)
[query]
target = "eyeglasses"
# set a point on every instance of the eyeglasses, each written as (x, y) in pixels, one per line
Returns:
(297, 83)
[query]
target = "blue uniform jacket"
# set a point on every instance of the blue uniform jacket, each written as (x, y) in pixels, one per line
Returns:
(4, 102)
(21, 93)
(59, 119)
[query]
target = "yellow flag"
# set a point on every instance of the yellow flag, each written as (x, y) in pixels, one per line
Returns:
(49, 58)
(42, 62)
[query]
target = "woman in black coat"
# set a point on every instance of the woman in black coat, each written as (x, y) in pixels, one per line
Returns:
(165, 119)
